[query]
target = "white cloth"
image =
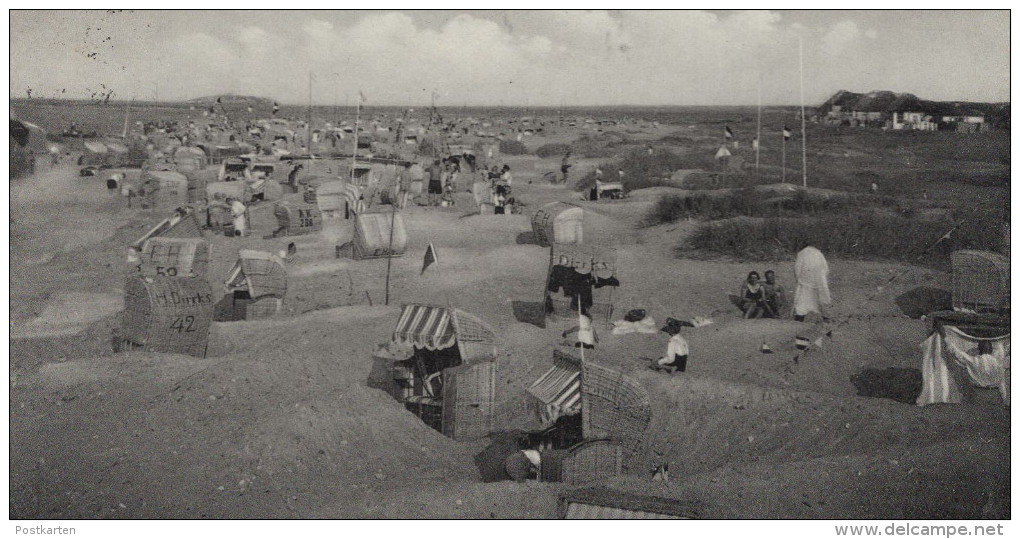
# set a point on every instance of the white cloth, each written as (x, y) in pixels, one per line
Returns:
(677, 346)
(645, 325)
(237, 211)
(585, 333)
(960, 350)
(533, 456)
(812, 272)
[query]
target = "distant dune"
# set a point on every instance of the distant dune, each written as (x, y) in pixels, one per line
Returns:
(887, 101)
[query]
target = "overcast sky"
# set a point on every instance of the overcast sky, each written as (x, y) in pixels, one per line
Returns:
(511, 57)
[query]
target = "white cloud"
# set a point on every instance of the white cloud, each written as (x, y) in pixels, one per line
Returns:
(840, 36)
(583, 57)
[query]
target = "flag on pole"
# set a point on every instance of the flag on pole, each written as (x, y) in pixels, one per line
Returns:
(729, 134)
(276, 108)
(723, 152)
(430, 257)
(754, 143)
(362, 96)
(219, 100)
(786, 133)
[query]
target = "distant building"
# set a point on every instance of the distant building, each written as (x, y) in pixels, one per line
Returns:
(917, 121)
(965, 124)
(855, 118)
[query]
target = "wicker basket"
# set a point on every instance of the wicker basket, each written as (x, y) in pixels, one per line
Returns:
(174, 257)
(172, 191)
(599, 503)
(475, 339)
(163, 314)
(378, 235)
(592, 460)
(558, 222)
(263, 308)
(295, 219)
(468, 396)
(259, 273)
(980, 282)
(614, 406)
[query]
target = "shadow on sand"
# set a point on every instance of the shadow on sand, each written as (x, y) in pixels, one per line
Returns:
(530, 312)
(527, 238)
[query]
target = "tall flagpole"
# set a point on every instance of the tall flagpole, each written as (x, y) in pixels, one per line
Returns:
(803, 118)
(357, 122)
(308, 131)
(389, 252)
(757, 140)
(127, 116)
(784, 153)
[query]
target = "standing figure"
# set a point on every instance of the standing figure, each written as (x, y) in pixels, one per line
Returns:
(237, 211)
(435, 188)
(812, 273)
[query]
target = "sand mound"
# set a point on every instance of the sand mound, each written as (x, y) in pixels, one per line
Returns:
(69, 313)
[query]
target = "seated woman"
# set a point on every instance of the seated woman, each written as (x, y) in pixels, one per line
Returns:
(752, 298)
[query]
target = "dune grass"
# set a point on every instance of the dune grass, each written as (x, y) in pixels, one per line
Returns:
(642, 170)
(751, 202)
(863, 235)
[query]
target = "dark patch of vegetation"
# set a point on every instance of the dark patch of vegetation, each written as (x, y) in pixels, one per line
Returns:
(751, 202)
(557, 149)
(641, 170)
(862, 235)
(512, 147)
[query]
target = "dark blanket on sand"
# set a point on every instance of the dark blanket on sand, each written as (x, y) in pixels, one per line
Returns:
(924, 300)
(901, 385)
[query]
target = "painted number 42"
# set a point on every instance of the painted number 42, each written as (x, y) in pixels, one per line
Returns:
(183, 324)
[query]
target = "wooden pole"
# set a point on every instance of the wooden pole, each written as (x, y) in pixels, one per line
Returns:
(803, 118)
(389, 252)
(127, 116)
(757, 140)
(784, 154)
(308, 131)
(357, 122)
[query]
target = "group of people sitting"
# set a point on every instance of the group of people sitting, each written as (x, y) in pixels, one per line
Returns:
(759, 299)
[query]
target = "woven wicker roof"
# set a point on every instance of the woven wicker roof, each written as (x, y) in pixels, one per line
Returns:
(258, 272)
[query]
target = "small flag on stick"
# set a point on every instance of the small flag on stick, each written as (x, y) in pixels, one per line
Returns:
(362, 96)
(786, 133)
(276, 108)
(729, 134)
(430, 257)
(754, 143)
